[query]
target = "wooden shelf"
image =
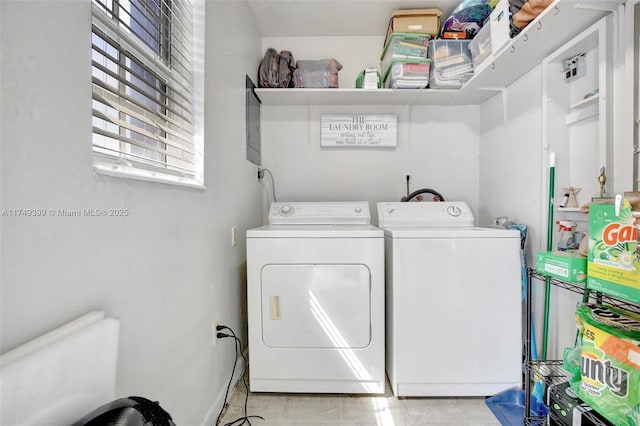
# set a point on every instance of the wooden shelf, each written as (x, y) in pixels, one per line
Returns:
(560, 22)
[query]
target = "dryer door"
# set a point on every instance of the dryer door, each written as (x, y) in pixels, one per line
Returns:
(316, 306)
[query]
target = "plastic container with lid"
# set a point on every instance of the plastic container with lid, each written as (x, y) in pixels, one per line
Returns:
(408, 73)
(322, 73)
(404, 46)
(452, 65)
(449, 52)
(480, 46)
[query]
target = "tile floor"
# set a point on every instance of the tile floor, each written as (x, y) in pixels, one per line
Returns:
(355, 410)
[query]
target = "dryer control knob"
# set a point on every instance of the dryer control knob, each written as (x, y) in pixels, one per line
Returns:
(358, 210)
(454, 211)
(286, 211)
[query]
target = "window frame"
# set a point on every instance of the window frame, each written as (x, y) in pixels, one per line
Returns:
(139, 64)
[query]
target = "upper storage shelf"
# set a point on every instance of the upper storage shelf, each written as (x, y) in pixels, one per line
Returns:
(560, 22)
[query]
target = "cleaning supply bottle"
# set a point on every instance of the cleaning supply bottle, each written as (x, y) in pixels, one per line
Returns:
(565, 228)
(565, 200)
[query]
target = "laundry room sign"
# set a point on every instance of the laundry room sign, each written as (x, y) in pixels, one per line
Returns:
(358, 130)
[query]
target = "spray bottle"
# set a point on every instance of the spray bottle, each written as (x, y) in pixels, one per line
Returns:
(565, 228)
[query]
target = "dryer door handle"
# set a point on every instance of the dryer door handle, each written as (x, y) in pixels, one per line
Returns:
(275, 307)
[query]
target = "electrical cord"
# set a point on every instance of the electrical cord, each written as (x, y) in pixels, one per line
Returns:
(226, 394)
(408, 179)
(273, 182)
(246, 418)
(238, 349)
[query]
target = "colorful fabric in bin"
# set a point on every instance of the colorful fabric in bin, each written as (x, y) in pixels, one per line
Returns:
(466, 19)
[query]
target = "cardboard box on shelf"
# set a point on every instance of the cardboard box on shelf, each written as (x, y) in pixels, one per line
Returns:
(566, 265)
(425, 21)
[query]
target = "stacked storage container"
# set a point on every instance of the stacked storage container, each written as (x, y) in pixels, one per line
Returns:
(404, 61)
(452, 65)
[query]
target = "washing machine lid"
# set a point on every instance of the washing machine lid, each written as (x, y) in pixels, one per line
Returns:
(319, 213)
(424, 232)
(316, 231)
(448, 214)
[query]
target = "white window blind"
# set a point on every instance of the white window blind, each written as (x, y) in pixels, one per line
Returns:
(143, 88)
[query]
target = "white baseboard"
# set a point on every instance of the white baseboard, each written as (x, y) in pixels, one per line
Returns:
(212, 414)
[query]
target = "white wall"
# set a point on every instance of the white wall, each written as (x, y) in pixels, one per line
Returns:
(510, 156)
(168, 269)
(438, 144)
(513, 183)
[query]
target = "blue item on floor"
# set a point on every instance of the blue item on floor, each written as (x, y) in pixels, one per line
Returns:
(508, 407)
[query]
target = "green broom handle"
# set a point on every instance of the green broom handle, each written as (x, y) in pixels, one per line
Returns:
(547, 290)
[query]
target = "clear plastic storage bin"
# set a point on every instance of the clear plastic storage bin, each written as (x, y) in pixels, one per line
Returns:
(322, 73)
(480, 46)
(408, 73)
(452, 65)
(404, 46)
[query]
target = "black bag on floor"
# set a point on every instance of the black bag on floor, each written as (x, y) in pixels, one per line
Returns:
(132, 411)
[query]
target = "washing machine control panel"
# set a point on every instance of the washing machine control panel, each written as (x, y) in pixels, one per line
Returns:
(320, 213)
(443, 214)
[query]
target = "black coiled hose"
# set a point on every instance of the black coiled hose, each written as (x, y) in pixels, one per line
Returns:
(436, 195)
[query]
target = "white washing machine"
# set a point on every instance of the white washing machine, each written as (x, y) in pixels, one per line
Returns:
(453, 301)
(315, 295)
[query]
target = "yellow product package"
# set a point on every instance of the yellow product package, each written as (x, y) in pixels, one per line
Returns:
(606, 366)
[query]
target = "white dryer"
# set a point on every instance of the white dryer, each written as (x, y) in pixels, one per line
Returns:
(453, 297)
(315, 296)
